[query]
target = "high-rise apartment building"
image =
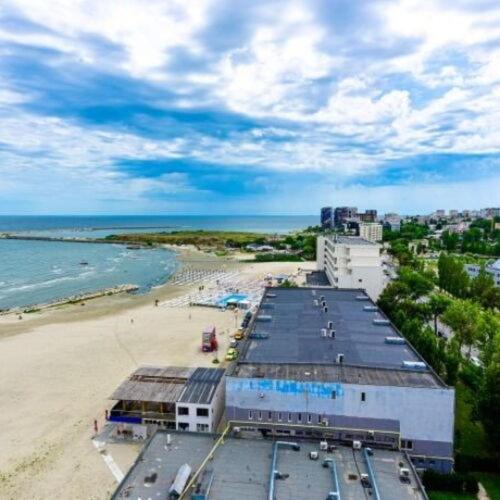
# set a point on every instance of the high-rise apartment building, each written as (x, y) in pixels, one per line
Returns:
(370, 231)
(327, 217)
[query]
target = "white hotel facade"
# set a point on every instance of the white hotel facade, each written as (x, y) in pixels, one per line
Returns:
(351, 262)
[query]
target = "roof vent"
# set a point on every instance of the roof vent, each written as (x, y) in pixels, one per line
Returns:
(331, 333)
(323, 332)
(325, 309)
(316, 302)
(370, 308)
(330, 324)
(395, 340)
(362, 297)
(271, 295)
(381, 321)
(264, 317)
(416, 365)
(340, 358)
(258, 335)
(267, 305)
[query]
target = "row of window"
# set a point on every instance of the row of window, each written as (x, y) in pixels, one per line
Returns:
(184, 426)
(200, 412)
(260, 415)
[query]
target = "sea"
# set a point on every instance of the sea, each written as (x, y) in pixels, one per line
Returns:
(39, 272)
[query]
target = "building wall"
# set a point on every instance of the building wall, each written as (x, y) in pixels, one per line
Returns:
(371, 232)
(215, 411)
(425, 416)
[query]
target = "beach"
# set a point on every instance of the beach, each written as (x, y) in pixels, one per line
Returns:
(58, 367)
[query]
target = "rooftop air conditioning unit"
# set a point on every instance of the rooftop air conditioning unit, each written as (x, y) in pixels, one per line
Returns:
(316, 302)
(331, 333)
(313, 455)
(330, 324)
(323, 445)
(356, 445)
(340, 358)
(323, 332)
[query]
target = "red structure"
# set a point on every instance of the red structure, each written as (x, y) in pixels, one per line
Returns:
(209, 339)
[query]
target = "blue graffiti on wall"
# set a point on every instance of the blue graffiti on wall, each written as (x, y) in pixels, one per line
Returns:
(290, 387)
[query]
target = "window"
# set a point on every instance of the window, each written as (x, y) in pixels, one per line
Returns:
(279, 416)
(250, 414)
(202, 427)
(182, 410)
(407, 444)
(183, 426)
(334, 394)
(363, 396)
(289, 417)
(270, 415)
(309, 418)
(319, 419)
(360, 280)
(260, 415)
(202, 412)
(299, 417)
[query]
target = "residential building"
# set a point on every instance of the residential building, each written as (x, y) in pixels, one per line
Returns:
(368, 216)
(493, 269)
(343, 214)
(327, 218)
(440, 214)
(351, 262)
(326, 363)
(370, 231)
(190, 399)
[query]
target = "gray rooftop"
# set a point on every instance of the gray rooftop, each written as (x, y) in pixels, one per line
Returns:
(350, 240)
(242, 469)
(293, 324)
(201, 386)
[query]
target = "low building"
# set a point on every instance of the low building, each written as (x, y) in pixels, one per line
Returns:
(370, 231)
(492, 269)
(190, 399)
(351, 262)
(256, 469)
(327, 363)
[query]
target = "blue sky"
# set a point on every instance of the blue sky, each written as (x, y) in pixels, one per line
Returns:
(214, 106)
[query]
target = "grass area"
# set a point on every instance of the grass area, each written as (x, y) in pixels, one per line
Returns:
(471, 438)
(491, 483)
(442, 495)
(218, 239)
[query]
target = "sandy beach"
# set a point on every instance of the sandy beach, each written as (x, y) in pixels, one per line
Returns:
(59, 366)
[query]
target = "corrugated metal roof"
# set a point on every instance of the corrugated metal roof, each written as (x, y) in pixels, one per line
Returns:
(154, 383)
(202, 385)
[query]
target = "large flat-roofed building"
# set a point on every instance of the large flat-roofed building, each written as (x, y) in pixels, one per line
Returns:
(256, 469)
(327, 218)
(351, 262)
(190, 399)
(327, 362)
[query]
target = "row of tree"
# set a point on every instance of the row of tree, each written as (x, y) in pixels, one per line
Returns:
(454, 280)
(413, 302)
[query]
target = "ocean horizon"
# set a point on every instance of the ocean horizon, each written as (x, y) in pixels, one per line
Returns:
(39, 272)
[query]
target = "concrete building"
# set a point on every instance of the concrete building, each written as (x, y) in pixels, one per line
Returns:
(256, 469)
(326, 363)
(190, 399)
(351, 262)
(368, 216)
(370, 231)
(327, 218)
(492, 269)
(344, 214)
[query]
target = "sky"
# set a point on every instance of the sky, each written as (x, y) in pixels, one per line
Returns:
(238, 107)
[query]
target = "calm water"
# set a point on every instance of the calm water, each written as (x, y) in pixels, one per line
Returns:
(34, 272)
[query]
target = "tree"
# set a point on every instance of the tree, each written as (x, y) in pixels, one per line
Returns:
(450, 240)
(452, 276)
(463, 316)
(483, 289)
(418, 284)
(489, 398)
(438, 303)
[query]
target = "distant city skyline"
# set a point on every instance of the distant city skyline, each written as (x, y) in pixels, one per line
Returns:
(281, 107)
